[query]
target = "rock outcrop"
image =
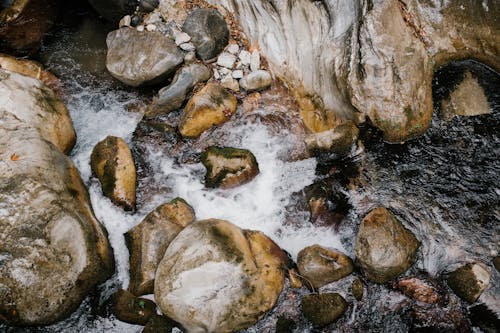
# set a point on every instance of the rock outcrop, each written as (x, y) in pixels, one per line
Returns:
(215, 277)
(53, 250)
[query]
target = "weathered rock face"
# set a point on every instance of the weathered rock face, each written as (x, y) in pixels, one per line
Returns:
(34, 103)
(384, 248)
(208, 31)
(215, 277)
(212, 105)
(375, 57)
(53, 250)
(113, 10)
(323, 309)
(321, 266)
(469, 281)
(229, 167)
(148, 241)
(141, 57)
(173, 96)
(23, 24)
(112, 163)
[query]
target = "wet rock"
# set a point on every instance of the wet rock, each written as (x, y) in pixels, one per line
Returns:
(483, 317)
(323, 309)
(148, 241)
(435, 318)
(54, 251)
(294, 278)
(327, 203)
(496, 263)
(34, 103)
(138, 58)
(384, 248)
(469, 281)
(320, 266)
(468, 99)
(338, 140)
(230, 83)
(24, 23)
(256, 81)
(208, 31)
(285, 325)
(173, 10)
(226, 60)
(419, 290)
(131, 309)
(159, 324)
(213, 271)
(113, 10)
(228, 167)
(357, 289)
(148, 5)
(212, 105)
(112, 163)
(173, 96)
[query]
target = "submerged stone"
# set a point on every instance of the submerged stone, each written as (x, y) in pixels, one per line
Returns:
(469, 281)
(131, 309)
(323, 309)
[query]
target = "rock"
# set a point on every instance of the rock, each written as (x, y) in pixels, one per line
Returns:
(125, 21)
(208, 31)
(138, 58)
(468, 99)
(148, 5)
(384, 248)
(151, 27)
(228, 167)
(188, 47)
(135, 21)
(112, 163)
(131, 309)
(327, 202)
(484, 318)
(230, 83)
(113, 10)
(323, 309)
(255, 61)
(159, 324)
(233, 48)
(24, 23)
(285, 325)
(419, 290)
(245, 58)
(357, 289)
(294, 278)
(173, 96)
(148, 241)
(181, 37)
(34, 103)
(53, 250)
(496, 263)
(140, 28)
(189, 58)
(211, 106)
(338, 140)
(226, 60)
(215, 277)
(257, 80)
(469, 281)
(238, 74)
(320, 266)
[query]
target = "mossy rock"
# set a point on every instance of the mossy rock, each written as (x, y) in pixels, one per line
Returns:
(323, 309)
(469, 281)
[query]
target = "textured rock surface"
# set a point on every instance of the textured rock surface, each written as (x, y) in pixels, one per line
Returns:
(384, 248)
(216, 277)
(320, 266)
(112, 163)
(137, 58)
(228, 167)
(53, 250)
(469, 281)
(323, 309)
(212, 105)
(420, 290)
(468, 99)
(148, 241)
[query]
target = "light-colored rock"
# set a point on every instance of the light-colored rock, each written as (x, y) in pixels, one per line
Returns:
(188, 47)
(257, 80)
(384, 247)
(215, 277)
(233, 48)
(125, 21)
(190, 57)
(148, 241)
(226, 60)
(245, 58)
(230, 83)
(468, 99)
(140, 28)
(469, 281)
(173, 11)
(181, 37)
(211, 106)
(112, 163)
(138, 58)
(228, 167)
(237, 74)
(151, 27)
(338, 140)
(34, 103)
(216, 74)
(255, 61)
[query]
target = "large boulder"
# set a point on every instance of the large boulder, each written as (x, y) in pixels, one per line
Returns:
(141, 57)
(213, 105)
(320, 266)
(208, 31)
(215, 277)
(228, 167)
(469, 281)
(148, 241)
(384, 247)
(33, 102)
(112, 163)
(113, 10)
(53, 250)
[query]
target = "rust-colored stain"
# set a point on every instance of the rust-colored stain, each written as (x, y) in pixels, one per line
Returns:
(14, 157)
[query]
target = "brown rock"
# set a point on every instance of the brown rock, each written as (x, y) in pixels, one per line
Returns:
(211, 106)
(338, 139)
(323, 309)
(159, 324)
(320, 266)
(357, 289)
(113, 164)
(469, 281)
(419, 290)
(148, 241)
(384, 248)
(294, 278)
(131, 309)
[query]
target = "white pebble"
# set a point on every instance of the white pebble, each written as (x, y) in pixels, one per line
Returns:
(238, 74)
(230, 83)
(226, 60)
(189, 47)
(216, 74)
(233, 48)
(140, 28)
(151, 27)
(245, 58)
(255, 61)
(125, 21)
(181, 37)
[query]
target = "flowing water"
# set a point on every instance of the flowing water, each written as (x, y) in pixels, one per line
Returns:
(444, 186)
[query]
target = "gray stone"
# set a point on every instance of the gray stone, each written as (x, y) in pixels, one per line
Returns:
(226, 60)
(181, 37)
(188, 47)
(245, 57)
(208, 31)
(139, 58)
(257, 80)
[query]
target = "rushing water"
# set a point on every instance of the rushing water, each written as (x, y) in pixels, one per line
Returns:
(442, 186)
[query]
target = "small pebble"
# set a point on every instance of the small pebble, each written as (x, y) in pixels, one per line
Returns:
(233, 48)
(135, 21)
(189, 47)
(190, 57)
(181, 37)
(237, 74)
(140, 28)
(230, 83)
(216, 74)
(224, 71)
(245, 58)
(151, 27)
(125, 21)
(255, 61)
(226, 60)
